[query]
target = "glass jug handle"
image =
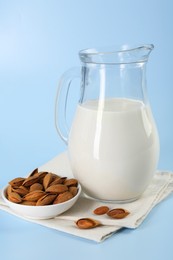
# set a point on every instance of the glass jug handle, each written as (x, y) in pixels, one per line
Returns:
(62, 100)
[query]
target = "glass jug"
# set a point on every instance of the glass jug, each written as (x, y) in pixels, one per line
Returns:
(113, 143)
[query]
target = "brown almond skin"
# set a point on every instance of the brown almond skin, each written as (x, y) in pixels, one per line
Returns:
(14, 197)
(118, 213)
(9, 190)
(33, 172)
(46, 200)
(58, 188)
(43, 186)
(22, 191)
(58, 180)
(101, 210)
(31, 180)
(28, 203)
(34, 195)
(71, 182)
(63, 197)
(73, 190)
(41, 176)
(15, 183)
(87, 223)
(55, 175)
(47, 180)
(36, 186)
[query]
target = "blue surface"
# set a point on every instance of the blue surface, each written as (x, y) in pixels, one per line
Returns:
(39, 40)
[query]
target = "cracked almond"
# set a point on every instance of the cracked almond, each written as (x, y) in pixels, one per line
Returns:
(31, 180)
(73, 190)
(17, 182)
(33, 172)
(22, 191)
(63, 197)
(34, 195)
(46, 200)
(47, 180)
(14, 197)
(58, 180)
(58, 188)
(87, 223)
(71, 182)
(41, 175)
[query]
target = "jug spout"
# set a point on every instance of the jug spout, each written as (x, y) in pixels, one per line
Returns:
(124, 54)
(142, 52)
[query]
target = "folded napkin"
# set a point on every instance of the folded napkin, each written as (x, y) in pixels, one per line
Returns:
(160, 187)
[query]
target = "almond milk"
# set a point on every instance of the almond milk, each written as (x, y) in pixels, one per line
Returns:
(113, 148)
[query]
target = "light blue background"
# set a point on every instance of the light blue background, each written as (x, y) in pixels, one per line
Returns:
(39, 40)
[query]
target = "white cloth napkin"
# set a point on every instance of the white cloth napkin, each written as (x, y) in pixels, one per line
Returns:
(160, 187)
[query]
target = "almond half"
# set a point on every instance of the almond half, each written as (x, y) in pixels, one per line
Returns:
(87, 223)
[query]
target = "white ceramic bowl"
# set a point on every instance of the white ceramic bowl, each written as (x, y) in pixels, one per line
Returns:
(41, 212)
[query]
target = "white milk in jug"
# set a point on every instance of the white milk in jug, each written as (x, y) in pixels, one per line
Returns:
(113, 148)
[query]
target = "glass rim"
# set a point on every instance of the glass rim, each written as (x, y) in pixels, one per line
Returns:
(122, 54)
(117, 49)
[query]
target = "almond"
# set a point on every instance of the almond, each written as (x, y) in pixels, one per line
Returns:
(28, 203)
(33, 172)
(34, 195)
(31, 180)
(46, 200)
(36, 186)
(47, 180)
(15, 183)
(8, 190)
(54, 175)
(101, 210)
(71, 182)
(63, 197)
(58, 180)
(73, 190)
(58, 188)
(41, 188)
(118, 213)
(87, 223)
(22, 191)
(41, 176)
(14, 197)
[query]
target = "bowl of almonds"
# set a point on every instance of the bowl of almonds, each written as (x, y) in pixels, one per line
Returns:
(41, 195)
